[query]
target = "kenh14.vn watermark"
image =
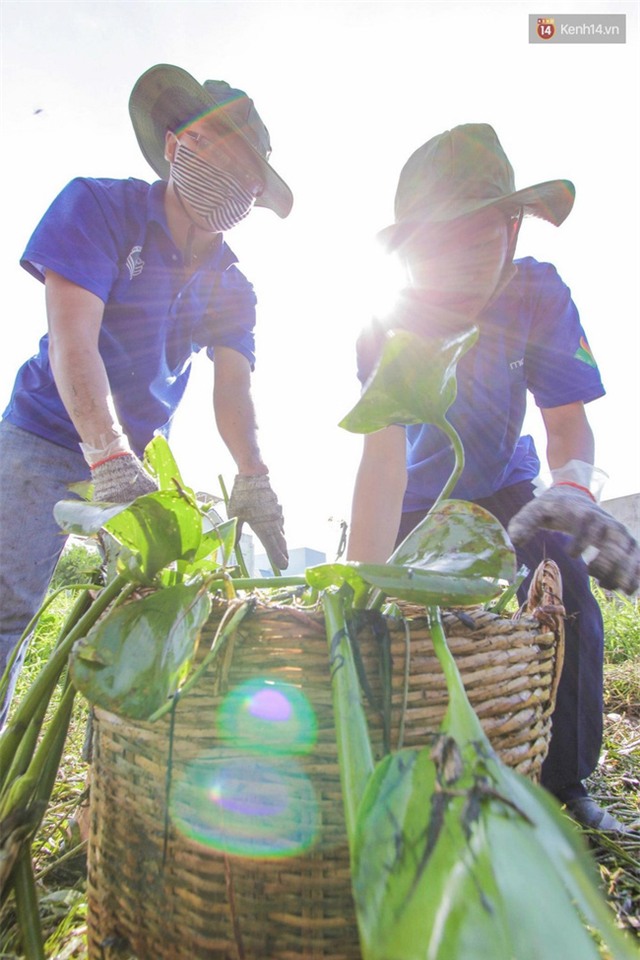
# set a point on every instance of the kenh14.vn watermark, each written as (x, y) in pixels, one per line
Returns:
(577, 28)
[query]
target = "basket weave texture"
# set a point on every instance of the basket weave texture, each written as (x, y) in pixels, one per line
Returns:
(158, 892)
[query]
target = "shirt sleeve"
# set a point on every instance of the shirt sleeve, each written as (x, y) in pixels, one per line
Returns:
(559, 365)
(75, 240)
(230, 318)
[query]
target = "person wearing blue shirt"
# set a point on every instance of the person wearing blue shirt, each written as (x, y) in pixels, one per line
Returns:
(458, 216)
(137, 279)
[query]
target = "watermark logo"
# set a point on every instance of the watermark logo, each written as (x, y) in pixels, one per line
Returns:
(546, 28)
(578, 28)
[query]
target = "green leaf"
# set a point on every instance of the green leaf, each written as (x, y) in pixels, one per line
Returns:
(158, 456)
(422, 887)
(220, 537)
(414, 382)
(138, 656)
(459, 537)
(158, 529)
(456, 556)
(541, 829)
(84, 519)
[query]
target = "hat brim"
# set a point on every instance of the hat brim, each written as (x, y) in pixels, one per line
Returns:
(156, 96)
(551, 201)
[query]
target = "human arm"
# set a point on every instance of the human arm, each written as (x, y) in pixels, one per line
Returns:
(611, 553)
(377, 498)
(74, 318)
(569, 435)
(252, 500)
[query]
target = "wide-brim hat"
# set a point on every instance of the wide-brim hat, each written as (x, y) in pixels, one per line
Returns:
(167, 98)
(460, 172)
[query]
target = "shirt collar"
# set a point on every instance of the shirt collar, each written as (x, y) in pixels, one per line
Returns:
(224, 256)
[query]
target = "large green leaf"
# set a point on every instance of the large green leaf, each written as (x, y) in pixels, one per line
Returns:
(446, 868)
(137, 656)
(459, 537)
(458, 856)
(414, 382)
(158, 529)
(155, 530)
(417, 881)
(458, 555)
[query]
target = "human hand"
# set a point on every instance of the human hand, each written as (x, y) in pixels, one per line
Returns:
(253, 501)
(121, 478)
(570, 509)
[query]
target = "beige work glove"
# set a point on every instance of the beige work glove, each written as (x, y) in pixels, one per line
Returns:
(611, 553)
(121, 478)
(117, 474)
(252, 501)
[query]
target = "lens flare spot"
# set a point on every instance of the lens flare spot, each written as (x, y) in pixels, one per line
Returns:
(269, 717)
(246, 806)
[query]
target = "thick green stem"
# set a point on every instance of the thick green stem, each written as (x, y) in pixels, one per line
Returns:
(27, 907)
(24, 753)
(355, 754)
(37, 697)
(266, 583)
(460, 720)
(80, 602)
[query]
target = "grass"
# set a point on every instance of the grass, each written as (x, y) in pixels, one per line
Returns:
(59, 854)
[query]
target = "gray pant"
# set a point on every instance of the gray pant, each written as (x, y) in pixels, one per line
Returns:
(34, 475)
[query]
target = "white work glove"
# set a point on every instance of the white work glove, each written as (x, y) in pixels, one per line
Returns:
(117, 474)
(253, 501)
(611, 553)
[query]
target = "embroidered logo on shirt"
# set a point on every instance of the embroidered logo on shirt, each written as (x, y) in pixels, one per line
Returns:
(516, 364)
(584, 353)
(135, 263)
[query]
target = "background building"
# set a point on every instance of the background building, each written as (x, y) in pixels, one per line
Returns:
(299, 559)
(626, 510)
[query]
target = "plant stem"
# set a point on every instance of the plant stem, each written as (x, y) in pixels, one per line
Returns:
(4, 680)
(460, 719)
(35, 701)
(27, 906)
(355, 754)
(458, 467)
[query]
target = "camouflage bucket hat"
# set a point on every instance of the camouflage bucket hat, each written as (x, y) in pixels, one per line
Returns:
(460, 172)
(167, 97)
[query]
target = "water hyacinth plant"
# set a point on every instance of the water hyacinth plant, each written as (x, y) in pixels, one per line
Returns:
(128, 647)
(453, 854)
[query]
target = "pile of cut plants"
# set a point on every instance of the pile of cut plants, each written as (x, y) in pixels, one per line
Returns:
(453, 854)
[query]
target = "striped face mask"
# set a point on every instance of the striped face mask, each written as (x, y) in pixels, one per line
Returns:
(216, 197)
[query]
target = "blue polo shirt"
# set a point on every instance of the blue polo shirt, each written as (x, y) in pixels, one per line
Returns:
(111, 238)
(531, 340)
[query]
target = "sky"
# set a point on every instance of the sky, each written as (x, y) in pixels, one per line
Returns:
(348, 91)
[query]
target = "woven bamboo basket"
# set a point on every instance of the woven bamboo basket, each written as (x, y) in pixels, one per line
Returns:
(168, 880)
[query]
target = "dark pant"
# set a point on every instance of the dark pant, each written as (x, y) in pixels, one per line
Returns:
(576, 736)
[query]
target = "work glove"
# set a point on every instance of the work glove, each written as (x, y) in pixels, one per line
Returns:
(121, 478)
(612, 555)
(253, 501)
